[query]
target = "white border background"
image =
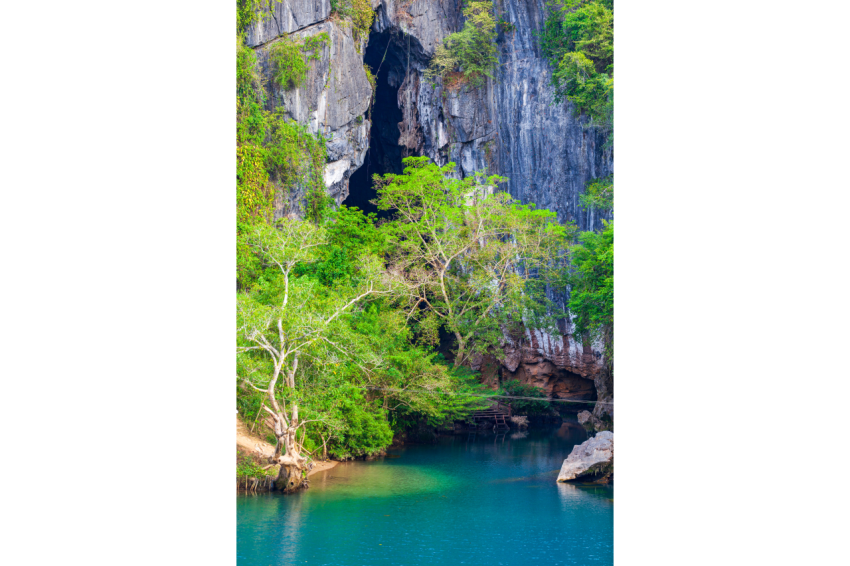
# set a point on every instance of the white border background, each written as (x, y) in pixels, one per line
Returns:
(731, 287)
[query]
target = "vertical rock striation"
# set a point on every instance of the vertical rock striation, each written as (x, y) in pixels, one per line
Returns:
(335, 97)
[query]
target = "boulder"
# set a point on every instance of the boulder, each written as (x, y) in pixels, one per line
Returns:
(585, 417)
(589, 420)
(592, 460)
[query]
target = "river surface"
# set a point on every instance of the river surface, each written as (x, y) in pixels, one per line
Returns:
(479, 499)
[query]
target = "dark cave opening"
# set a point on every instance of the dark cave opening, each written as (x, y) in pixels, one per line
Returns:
(386, 56)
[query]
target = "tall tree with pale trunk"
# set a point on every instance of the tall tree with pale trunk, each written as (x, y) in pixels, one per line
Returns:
(301, 319)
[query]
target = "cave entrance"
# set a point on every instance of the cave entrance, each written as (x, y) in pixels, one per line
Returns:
(572, 386)
(386, 55)
(557, 383)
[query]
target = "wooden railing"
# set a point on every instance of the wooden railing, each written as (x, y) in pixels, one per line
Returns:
(504, 408)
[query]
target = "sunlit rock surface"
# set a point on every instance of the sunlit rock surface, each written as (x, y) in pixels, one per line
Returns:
(591, 460)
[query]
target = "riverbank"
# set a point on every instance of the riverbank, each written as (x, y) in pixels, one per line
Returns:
(322, 466)
(252, 445)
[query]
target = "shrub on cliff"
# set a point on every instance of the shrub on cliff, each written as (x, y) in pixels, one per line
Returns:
(359, 13)
(471, 51)
(578, 39)
(592, 286)
(289, 58)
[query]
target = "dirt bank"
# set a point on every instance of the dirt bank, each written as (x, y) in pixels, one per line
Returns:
(248, 443)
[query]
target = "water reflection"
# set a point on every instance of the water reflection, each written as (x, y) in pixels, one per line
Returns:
(574, 494)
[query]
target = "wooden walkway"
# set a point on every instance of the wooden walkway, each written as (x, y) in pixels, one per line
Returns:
(497, 415)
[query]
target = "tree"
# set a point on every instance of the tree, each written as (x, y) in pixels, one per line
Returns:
(578, 39)
(592, 286)
(273, 335)
(471, 259)
(407, 378)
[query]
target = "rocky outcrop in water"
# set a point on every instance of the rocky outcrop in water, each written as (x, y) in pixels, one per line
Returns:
(588, 419)
(592, 460)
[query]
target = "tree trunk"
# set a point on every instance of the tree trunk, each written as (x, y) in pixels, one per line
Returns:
(293, 466)
(292, 475)
(460, 348)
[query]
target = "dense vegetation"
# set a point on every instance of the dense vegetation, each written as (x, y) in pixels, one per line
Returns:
(357, 13)
(470, 54)
(470, 259)
(592, 282)
(338, 331)
(274, 157)
(578, 39)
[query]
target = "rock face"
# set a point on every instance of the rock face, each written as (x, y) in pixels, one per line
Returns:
(280, 18)
(511, 125)
(562, 366)
(335, 97)
(592, 460)
(589, 419)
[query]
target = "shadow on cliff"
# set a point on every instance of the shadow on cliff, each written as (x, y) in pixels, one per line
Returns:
(386, 56)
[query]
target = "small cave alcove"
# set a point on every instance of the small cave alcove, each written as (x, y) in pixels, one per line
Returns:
(386, 55)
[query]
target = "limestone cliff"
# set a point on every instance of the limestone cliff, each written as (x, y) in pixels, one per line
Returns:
(510, 126)
(336, 95)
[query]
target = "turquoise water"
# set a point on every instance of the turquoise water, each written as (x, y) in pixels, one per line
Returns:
(470, 499)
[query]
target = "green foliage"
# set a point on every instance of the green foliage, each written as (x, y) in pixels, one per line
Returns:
(373, 84)
(289, 159)
(471, 51)
(274, 157)
(507, 27)
(289, 66)
(249, 12)
(247, 468)
(599, 194)
(249, 401)
(514, 388)
(365, 429)
(350, 234)
(592, 286)
(289, 58)
(578, 39)
(416, 385)
(358, 12)
(467, 254)
(250, 96)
